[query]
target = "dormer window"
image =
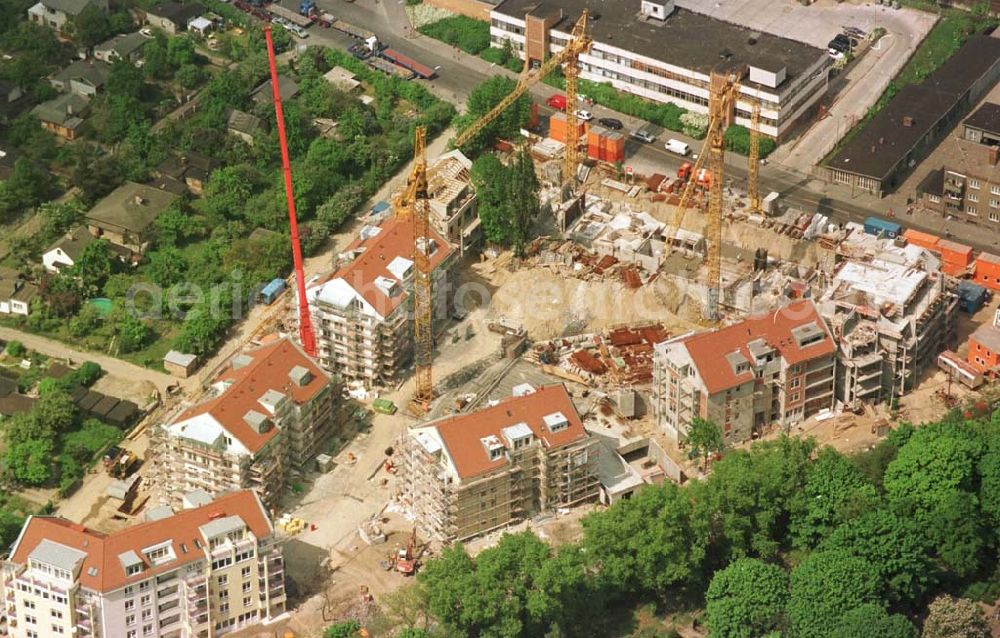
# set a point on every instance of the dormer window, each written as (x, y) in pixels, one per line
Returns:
(556, 422)
(494, 448)
(518, 436)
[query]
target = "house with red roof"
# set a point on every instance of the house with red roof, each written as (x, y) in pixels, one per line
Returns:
(468, 474)
(774, 369)
(361, 311)
(207, 570)
(271, 410)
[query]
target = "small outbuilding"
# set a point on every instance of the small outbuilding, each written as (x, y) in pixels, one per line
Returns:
(180, 364)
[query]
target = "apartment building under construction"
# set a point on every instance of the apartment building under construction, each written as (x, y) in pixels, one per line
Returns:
(892, 312)
(771, 369)
(202, 572)
(452, 199)
(272, 409)
(362, 312)
(465, 475)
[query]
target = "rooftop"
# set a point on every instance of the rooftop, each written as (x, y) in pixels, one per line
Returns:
(104, 555)
(73, 242)
(465, 436)
(123, 44)
(985, 118)
(243, 122)
(65, 110)
(93, 72)
(890, 136)
(989, 336)
(250, 377)
(264, 94)
(796, 332)
(178, 13)
(882, 281)
(383, 260)
(69, 7)
(188, 165)
(685, 39)
(131, 207)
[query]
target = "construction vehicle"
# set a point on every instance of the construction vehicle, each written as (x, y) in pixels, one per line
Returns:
(307, 8)
(579, 43)
(123, 465)
(723, 92)
(406, 557)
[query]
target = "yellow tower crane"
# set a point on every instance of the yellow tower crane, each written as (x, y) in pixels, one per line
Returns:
(723, 92)
(569, 58)
(753, 195)
(412, 203)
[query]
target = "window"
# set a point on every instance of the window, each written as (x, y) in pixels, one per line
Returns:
(245, 572)
(31, 633)
(147, 630)
(132, 570)
(144, 585)
(247, 601)
(222, 580)
(224, 593)
(55, 613)
(130, 620)
(974, 183)
(796, 382)
(971, 210)
(130, 633)
(995, 203)
(29, 604)
(129, 590)
(147, 614)
(795, 396)
(994, 217)
(995, 189)
(57, 629)
(129, 605)
(31, 620)
(224, 608)
(247, 586)
(144, 600)
(973, 197)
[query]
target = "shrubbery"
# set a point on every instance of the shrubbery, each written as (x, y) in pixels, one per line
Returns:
(469, 35)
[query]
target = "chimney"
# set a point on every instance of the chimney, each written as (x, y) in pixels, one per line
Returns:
(138, 200)
(907, 121)
(994, 155)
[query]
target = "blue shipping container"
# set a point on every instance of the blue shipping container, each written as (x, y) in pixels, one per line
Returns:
(971, 297)
(876, 226)
(271, 291)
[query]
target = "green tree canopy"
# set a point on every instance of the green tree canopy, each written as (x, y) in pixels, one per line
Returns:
(873, 621)
(937, 460)
(705, 439)
(506, 126)
(824, 587)
(746, 599)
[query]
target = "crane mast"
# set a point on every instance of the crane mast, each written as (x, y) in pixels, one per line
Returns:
(306, 334)
(579, 43)
(412, 204)
(754, 158)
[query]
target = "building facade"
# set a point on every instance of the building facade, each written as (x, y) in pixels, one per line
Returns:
(667, 54)
(271, 411)
(772, 369)
(465, 475)
(201, 572)
(56, 14)
(452, 199)
(984, 349)
(362, 312)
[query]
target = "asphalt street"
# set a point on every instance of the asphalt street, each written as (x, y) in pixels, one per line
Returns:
(459, 73)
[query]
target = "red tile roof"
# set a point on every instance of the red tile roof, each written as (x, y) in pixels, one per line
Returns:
(268, 370)
(103, 571)
(462, 433)
(708, 350)
(395, 239)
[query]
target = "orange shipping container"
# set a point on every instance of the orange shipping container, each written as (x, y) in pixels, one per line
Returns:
(955, 257)
(557, 127)
(614, 148)
(988, 271)
(918, 238)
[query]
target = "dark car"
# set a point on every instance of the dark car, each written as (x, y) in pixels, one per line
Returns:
(840, 43)
(611, 123)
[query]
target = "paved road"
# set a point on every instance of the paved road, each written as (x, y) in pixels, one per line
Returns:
(458, 73)
(114, 367)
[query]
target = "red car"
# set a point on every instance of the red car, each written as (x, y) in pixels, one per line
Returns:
(557, 102)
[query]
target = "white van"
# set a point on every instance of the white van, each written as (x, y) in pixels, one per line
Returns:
(677, 146)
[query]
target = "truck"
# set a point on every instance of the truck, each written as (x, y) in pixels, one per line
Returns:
(351, 30)
(389, 68)
(384, 406)
(878, 226)
(421, 70)
(677, 146)
(123, 465)
(271, 291)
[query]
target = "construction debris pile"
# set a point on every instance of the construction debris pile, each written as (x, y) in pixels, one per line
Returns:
(619, 357)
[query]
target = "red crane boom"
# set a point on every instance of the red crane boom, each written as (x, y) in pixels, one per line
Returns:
(306, 334)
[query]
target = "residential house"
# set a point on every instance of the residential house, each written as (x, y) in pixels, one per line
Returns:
(468, 474)
(56, 14)
(63, 115)
(126, 47)
(264, 94)
(65, 252)
(83, 77)
(772, 369)
(10, 92)
(452, 200)
(16, 292)
(125, 217)
(341, 78)
(244, 125)
(205, 571)
(362, 312)
(173, 17)
(192, 168)
(270, 412)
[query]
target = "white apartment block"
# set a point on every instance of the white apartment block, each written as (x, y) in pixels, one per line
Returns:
(199, 573)
(664, 53)
(270, 411)
(362, 312)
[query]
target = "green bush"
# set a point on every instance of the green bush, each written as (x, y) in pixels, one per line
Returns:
(16, 349)
(738, 140)
(469, 35)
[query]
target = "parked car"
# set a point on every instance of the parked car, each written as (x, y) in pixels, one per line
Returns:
(840, 43)
(854, 31)
(557, 102)
(611, 123)
(643, 136)
(586, 116)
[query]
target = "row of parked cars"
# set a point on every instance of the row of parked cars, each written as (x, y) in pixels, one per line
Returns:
(845, 42)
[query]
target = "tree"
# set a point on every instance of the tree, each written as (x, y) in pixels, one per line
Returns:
(25, 188)
(90, 27)
(873, 621)
(167, 266)
(705, 438)
(488, 177)
(937, 459)
(132, 333)
(507, 125)
(30, 461)
(54, 411)
(15, 349)
(180, 51)
(955, 531)
(507, 197)
(824, 587)
(648, 543)
(189, 76)
(174, 227)
(95, 265)
(125, 79)
(949, 617)
(85, 321)
(894, 548)
(835, 492)
(746, 599)
(346, 629)
(523, 188)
